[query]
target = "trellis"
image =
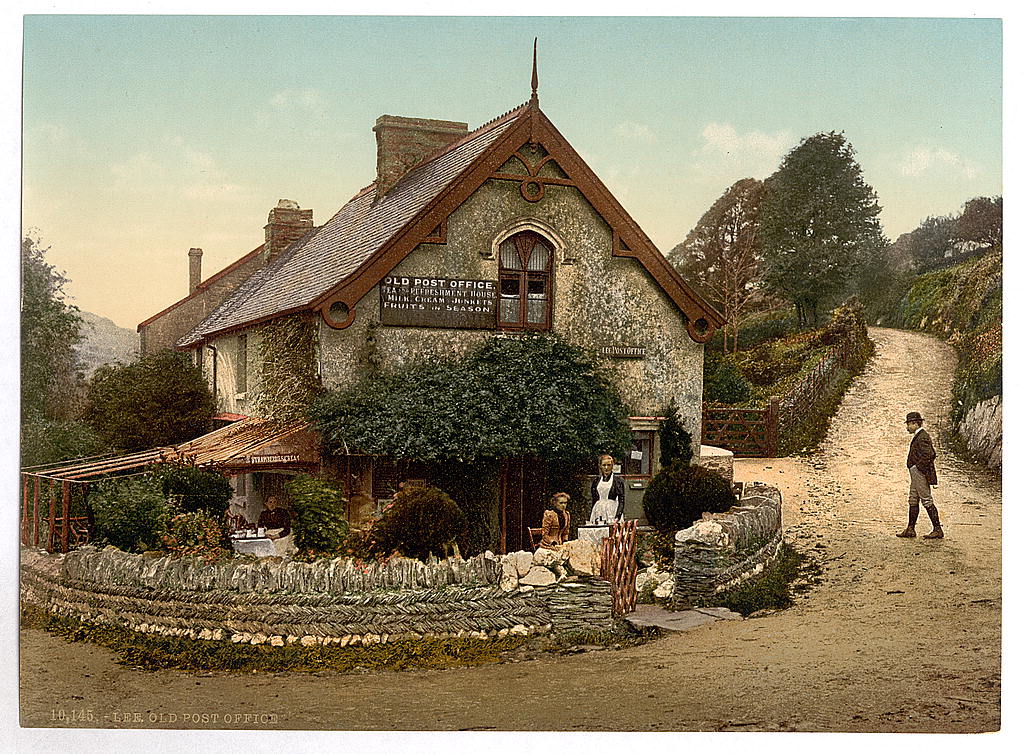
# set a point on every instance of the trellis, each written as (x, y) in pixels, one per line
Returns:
(618, 565)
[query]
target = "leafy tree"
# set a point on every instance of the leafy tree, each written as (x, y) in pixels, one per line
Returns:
(162, 399)
(819, 222)
(535, 395)
(50, 382)
(50, 327)
(926, 244)
(723, 252)
(980, 223)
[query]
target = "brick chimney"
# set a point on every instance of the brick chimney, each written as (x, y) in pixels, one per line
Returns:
(403, 143)
(195, 269)
(286, 223)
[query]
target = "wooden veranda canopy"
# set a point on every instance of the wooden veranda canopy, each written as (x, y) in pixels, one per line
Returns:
(248, 444)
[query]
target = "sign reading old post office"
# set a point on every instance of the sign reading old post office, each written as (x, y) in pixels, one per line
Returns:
(438, 302)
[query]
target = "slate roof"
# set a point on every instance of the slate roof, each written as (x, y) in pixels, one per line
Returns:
(326, 256)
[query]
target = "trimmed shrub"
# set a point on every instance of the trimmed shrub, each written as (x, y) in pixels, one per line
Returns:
(319, 521)
(676, 442)
(724, 382)
(195, 489)
(130, 513)
(195, 533)
(475, 488)
(678, 495)
(419, 522)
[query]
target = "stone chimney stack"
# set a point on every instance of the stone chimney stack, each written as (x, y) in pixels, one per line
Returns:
(286, 224)
(403, 143)
(195, 269)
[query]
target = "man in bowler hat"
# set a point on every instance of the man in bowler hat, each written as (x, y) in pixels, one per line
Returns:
(921, 463)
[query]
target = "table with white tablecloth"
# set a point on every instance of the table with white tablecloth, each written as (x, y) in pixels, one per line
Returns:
(592, 534)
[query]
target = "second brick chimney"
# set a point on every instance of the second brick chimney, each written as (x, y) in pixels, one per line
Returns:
(403, 143)
(286, 224)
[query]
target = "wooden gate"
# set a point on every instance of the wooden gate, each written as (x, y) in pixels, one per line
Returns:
(618, 565)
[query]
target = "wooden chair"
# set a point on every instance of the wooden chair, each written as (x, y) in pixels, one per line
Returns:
(535, 535)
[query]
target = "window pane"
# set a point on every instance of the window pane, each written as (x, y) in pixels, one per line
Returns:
(539, 258)
(536, 310)
(509, 256)
(509, 309)
(510, 286)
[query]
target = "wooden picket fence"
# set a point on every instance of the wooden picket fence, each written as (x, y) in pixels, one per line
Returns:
(618, 565)
(761, 432)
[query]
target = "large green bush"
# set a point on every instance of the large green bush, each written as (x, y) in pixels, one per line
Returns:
(678, 495)
(766, 364)
(319, 521)
(195, 489)
(419, 522)
(130, 513)
(195, 533)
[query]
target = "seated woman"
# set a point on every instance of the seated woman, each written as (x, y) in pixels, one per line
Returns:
(555, 526)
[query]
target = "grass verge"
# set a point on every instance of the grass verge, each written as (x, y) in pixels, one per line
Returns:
(791, 573)
(170, 652)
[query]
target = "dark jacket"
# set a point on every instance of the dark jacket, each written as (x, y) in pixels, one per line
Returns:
(922, 455)
(617, 493)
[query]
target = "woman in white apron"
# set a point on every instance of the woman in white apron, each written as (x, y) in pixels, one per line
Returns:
(607, 493)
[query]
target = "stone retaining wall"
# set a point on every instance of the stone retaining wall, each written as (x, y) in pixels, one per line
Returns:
(724, 549)
(323, 603)
(982, 430)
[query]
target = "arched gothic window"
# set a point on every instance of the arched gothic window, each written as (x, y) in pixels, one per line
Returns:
(524, 266)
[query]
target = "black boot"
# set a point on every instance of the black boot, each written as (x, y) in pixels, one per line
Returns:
(933, 514)
(909, 532)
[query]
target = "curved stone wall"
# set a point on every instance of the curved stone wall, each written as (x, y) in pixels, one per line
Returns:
(724, 549)
(982, 430)
(324, 603)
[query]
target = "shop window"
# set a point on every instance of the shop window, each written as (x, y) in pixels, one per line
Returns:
(638, 460)
(524, 270)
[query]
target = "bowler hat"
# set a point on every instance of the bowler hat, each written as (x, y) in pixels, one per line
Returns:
(913, 416)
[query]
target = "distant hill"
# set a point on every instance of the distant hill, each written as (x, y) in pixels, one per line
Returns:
(103, 342)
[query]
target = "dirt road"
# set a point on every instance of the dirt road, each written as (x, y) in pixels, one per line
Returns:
(902, 636)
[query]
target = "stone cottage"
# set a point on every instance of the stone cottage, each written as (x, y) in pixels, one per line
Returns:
(462, 234)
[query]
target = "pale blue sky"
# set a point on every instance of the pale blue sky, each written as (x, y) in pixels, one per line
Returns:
(146, 135)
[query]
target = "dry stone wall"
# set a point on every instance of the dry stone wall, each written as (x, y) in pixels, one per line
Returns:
(333, 602)
(724, 549)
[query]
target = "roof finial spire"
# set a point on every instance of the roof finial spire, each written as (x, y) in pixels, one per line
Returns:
(533, 79)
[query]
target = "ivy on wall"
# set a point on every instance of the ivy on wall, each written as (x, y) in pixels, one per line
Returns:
(289, 380)
(532, 395)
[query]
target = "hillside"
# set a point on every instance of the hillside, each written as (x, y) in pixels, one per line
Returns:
(103, 342)
(964, 304)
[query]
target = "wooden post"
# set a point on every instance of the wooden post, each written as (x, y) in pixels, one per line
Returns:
(24, 509)
(772, 428)
(35, 513)
(66, 512)
(53, 515)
